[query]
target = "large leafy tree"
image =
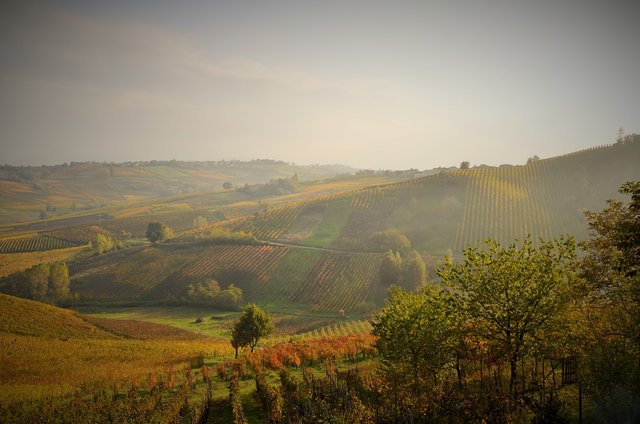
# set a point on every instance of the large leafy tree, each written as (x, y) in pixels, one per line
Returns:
(254, 324)
(511, 296)
(610, 366)
(414, 333)
(612, 261)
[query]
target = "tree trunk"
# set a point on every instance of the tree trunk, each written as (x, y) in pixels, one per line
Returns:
(513, 379)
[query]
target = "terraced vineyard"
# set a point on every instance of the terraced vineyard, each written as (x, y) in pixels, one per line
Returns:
(81, 235)
(339, 282)
(34, 243)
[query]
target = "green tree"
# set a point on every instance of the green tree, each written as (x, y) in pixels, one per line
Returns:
(415, 271)
(227, 185)
(206, 292)
(36, 281)
(414, 333)
(464, 165)
(104, 243)
(253, 325)
(390, 269)
(229, 298)
(59, 282)
(391, 239)
(513, 295)
(157, 231)
(610, 364)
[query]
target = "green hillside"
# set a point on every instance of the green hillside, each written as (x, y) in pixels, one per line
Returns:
(445, 212)
(320, 249)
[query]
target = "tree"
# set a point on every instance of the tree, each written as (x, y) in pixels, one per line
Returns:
(157, 231)
(414, 333)
(59, 281)
(390, 269)
(415, 271)
(200, 222)
(512, 295)
(229, 298)
(532, 159)
(104, 243)
(610, 368)
(253, 325)
(391, 239)
(204, 292)
(464, 165)
(227, 185)
(37, 282)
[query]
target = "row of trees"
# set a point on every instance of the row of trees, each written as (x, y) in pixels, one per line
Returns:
(209, 293)
(43, 282)
(524, 311)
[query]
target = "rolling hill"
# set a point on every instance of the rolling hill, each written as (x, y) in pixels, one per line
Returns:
(319, 248)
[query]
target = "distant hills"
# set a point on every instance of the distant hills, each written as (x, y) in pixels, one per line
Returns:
(321, 244)
(25, 191)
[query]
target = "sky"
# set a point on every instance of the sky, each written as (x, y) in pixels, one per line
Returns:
(370, 84)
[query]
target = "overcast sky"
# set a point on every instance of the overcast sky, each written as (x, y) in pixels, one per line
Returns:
(392, 85)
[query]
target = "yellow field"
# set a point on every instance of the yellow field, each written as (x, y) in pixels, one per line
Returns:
(48, 351)
(16, 262)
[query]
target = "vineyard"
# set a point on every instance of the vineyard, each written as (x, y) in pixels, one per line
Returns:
(137, 225)
(504, 204)
(132, 275)
(16, 262)
(34, 243)
(331, 330)
(339, 282)
(248, 267)
(271, 224)
(239, 210)
(81, 235)
(289, 274)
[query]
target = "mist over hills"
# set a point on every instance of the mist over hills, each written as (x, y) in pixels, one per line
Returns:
(319, 245)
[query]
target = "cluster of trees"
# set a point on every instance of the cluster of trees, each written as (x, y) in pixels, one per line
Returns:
(277, 186)
(105, 243)
(390, 239)
(254, 324)
(226, 236)
(408, 271)
(157, 231)
(509, 325)
(49, 283)
(209, 293)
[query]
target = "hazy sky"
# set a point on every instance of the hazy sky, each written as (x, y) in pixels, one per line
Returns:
(394, 84)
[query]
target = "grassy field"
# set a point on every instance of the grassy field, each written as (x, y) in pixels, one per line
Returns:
(47, 351)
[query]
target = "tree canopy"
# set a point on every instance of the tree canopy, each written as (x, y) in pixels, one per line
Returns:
(254, 324)
(157, 231)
